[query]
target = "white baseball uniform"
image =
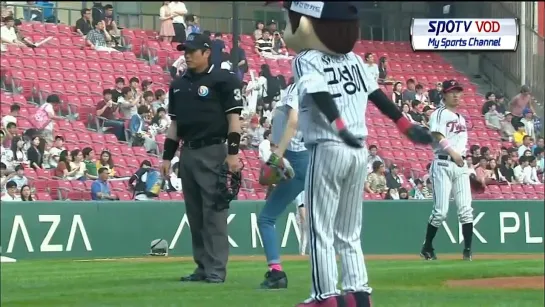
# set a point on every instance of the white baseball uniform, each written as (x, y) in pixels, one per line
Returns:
(336, 172)
(448, 178)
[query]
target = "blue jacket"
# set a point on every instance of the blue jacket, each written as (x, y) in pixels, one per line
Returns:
(136, 124)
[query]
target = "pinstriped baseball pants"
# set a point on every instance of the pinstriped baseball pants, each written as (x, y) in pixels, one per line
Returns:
(334, 195)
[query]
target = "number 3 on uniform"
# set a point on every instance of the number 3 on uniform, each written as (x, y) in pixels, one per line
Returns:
(237, 94)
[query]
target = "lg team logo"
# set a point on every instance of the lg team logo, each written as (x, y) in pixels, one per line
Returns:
(465, 34)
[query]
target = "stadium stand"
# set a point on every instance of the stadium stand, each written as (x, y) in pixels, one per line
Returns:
(66, 67)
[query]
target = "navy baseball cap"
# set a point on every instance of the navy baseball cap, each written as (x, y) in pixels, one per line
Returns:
(195, 41)
(332, 10)
(450, 85)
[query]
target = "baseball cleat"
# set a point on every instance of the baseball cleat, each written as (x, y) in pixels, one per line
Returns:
(275, 280)
(428, 253)
(193, 278)
(334, 301)
(357, 299)
(468, 256)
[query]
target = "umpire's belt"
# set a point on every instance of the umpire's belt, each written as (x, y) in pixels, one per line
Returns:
(447, 158)
(203, 143)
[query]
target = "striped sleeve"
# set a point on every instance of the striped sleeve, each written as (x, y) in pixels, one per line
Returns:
(309, 74)
(438, 121)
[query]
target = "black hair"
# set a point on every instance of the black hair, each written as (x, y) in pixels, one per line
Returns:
(125, 90)
(415, 103)
(106, 92)
(145, 163)
(86, 151)
(96, 22)
(159, 93)
(134, 79)
(367, 55)
(63, 157)
(110, 159)
(119, 80)
(377, 165)
(11, 125)
(488, 94)
(84, 11)
(103, 169)
(410, 80)
(142, 109)
(373, 147)
(29, 196)
(108, 7)
(14, 107)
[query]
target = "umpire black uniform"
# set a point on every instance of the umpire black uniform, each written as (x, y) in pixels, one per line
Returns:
(205, 105)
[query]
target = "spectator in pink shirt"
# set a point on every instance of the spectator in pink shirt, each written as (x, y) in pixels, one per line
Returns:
(521, 102)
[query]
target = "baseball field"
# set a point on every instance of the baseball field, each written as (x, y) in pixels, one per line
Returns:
(400, 281)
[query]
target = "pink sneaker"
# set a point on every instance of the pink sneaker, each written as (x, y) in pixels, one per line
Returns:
(334, 301)
(358, 299)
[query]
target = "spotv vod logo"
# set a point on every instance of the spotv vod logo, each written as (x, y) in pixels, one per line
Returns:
(465, 34)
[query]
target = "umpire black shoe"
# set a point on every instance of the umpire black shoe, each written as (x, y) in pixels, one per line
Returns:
(467, 255)
(428, 253)
(275, 280)
(193, 278)
(214, 280)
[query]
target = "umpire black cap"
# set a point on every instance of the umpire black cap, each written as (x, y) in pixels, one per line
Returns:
(332, 10)
(451, 85)
(195, 41)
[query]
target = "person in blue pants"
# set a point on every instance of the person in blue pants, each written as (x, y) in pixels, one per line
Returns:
(289, 144)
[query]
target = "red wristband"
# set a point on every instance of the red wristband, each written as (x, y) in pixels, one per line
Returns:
(403, 124)
(339, 124)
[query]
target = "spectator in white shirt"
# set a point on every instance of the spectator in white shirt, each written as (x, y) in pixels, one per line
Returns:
(12, 116)
(18, 177)
(526, 145)
(373, 156)
(371, 67)
(530, 172)
(265, 147)
(421, 95)
(528, 121)
(11, 190)
(226, 64)
(8, 34)
(178, 10)
(519, 169)
(55, 151)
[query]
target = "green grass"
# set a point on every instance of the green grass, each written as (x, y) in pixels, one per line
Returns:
(134, 284)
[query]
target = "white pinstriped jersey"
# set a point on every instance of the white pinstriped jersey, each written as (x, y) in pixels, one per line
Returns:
(289, 101)
(348, 82)
(453, 127)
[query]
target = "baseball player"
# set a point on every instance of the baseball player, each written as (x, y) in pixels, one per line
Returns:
(449, 173)
(333, 89)
(290, 146)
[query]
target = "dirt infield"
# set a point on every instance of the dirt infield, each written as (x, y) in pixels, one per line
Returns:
(516, 282)
(298, 257)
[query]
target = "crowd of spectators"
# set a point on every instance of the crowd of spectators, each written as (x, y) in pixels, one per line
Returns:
(135, 112)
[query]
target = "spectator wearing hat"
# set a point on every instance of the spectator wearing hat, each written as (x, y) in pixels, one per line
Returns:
(11, 190)
(256, 132)
(393, 178)
(528, 121)
(520, 102)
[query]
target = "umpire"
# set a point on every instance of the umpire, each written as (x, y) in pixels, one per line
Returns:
(205, 106)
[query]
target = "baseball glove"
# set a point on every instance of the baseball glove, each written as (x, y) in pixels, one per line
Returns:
(275, 170)
(476, 186)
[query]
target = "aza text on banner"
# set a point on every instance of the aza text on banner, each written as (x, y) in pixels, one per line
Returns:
(465, 34)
